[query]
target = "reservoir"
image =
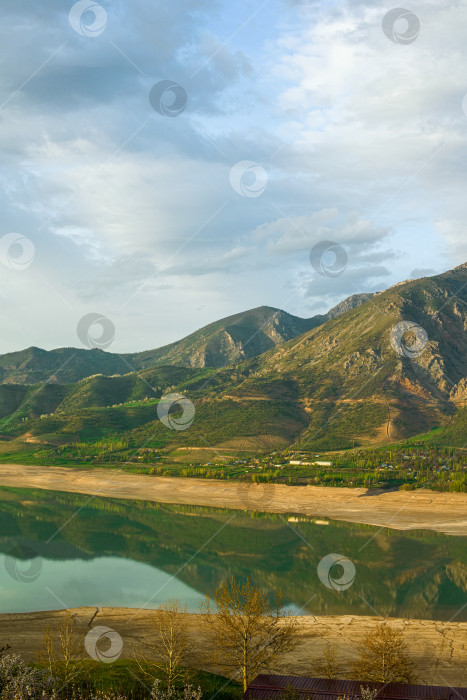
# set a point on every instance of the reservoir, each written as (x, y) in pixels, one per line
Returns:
(61, 550)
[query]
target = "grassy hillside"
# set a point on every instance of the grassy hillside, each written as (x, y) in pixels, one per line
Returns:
(340, 385)
(225, 342)
(62, 366)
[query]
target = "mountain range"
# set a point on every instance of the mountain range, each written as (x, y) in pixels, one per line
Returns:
(222, 343)
(376, 368)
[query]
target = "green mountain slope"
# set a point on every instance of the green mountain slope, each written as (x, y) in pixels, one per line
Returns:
(63, 365)
(353, 385)
(224, 342)
(230, 340)
(240, 337)
(349, 381)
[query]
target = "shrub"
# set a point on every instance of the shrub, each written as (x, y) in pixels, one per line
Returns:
(186, 693)
(18, 681)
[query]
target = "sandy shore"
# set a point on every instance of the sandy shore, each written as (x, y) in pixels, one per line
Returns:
(438, 648)
(401, 510)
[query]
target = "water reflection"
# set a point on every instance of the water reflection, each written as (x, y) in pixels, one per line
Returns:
(132, 554)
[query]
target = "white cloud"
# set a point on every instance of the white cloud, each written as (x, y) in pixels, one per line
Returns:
(383, 120)
(364, 142)
(300, 233)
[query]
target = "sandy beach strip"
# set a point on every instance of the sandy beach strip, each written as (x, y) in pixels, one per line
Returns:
(400, 510)
(439, 649)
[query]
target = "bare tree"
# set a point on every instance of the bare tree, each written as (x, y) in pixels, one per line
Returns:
(383, 657)
(63, 650)
(249, 632)
(170, 646)
(328, 666)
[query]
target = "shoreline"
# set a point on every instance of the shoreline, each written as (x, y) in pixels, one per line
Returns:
(400, 510)
(438, 648)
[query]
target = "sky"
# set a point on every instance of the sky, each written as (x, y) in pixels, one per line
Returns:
(165, 165)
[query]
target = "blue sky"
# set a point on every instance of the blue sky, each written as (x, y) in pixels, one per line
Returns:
(360, 140)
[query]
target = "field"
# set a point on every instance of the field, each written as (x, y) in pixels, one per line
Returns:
(409, 465)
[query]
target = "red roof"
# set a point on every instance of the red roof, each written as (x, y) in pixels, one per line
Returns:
(271, 687)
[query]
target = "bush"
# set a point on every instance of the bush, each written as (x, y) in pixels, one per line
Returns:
(18, 681)
(186, 693)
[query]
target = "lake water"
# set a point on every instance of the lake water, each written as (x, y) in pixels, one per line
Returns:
(63, 550)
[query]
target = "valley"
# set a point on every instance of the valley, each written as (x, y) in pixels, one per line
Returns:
(334, 383)
(257, 448)
(233, 352)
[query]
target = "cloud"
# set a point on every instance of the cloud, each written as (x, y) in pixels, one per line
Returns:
(300, 233)
(355, 279)
(122, 275)
(422, 272)
(362, 254)
(363, 141)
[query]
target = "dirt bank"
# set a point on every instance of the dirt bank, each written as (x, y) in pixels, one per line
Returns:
(438, 648)
(401, 510)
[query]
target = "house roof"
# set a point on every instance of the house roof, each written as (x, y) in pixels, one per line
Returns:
(272, 687)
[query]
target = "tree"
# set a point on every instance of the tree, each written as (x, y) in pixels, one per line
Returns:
(383, 657)
(63, 650)
(328, 667)
(249, 632)
(170, 646)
